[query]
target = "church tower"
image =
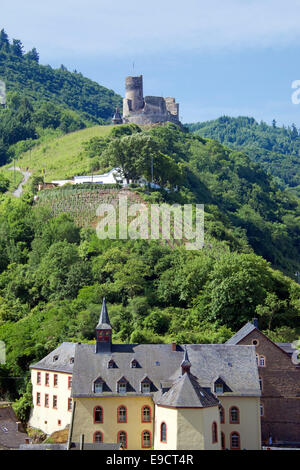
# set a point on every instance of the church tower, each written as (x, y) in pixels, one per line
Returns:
(103, 331)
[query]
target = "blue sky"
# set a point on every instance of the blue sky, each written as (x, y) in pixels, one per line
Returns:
(216, 57)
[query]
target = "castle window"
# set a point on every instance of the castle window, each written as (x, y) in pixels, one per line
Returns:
(122, 385)
(122, 439)
(98, 437)
(234, 414)
(222, 415)
(163, 432)
(146, 439)
(38, 378)
(146, 414)
(219, 388)
(98, 414)
(55, 358)
(145, 388)
(134, 364)
(55, 401)
(214, 432)
(47, 379)
(262, 361)
(223, 440)
(70, 382)
(235, 441)
(111, 364)
(46, 400)
(122, 414)
(55, 380)
(38, 399)
(69, 404)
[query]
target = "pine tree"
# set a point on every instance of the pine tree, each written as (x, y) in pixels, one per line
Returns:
(17, 47)
(33, 55)
(4, 42)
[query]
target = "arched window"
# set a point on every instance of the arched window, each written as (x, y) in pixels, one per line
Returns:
(262, 361)
(98, 414)
(146, 439)
(214, 432)
(98, 436)
(223, 441)
(146, 414)
(222, 415)
(163, 432)
(122, 414)
(122, 439)
(235, 441)
(234, 414)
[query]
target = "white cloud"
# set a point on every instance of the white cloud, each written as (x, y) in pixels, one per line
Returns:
(136, 27)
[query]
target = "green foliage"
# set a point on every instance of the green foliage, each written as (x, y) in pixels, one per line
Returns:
(23, 405)
(276, 149)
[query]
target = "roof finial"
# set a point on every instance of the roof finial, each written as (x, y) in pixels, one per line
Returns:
(185, 365)
(104, 322)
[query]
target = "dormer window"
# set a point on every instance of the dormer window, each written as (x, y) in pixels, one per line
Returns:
(98, 385)
(122, 385)
(111, 364)
(71, 360)
(219, 388)
(55, 358)
(146, 385)
(134, 364)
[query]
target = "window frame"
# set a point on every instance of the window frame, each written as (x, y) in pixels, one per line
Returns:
(98, 433)
(118, 438)
(150, 437)
(118, 414)
(161, 433)
(150, 414)
(96, 408)
(239, 440)
(230, 415)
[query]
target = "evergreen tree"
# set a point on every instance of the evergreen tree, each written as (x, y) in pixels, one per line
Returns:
(17, 47)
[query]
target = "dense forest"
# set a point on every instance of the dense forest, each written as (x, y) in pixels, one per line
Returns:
(276, 149)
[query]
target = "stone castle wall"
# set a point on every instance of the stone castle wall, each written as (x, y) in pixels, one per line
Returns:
(149, 109)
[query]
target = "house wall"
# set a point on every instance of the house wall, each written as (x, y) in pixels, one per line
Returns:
(84, 421)
(249, 423)
(280, 391)
(168, 416)
(46, 418)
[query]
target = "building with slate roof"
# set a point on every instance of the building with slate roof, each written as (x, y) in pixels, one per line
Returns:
(279, 377)
(161, 396)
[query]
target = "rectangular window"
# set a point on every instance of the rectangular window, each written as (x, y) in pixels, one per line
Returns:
(145, 388)
(47, 380)
(54, 401)
(38, 399)
(38, 378)
(69, 404)
(219, 388)
(55, 380)
(69, 382)
(122, 388)
(262, 361)
(98, 388)
(261, 410)
(46, 400)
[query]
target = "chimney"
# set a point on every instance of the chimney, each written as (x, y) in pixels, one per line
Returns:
(255, 322)
(174, 346)
(81, 445)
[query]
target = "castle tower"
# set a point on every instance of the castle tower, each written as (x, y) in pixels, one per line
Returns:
(103, 331)
(134, 100)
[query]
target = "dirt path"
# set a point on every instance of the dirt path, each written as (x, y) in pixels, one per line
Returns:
(26, 175)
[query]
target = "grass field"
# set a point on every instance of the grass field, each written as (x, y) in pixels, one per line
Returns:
(61, 157)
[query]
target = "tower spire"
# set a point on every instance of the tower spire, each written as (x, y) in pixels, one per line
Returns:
(185, 365)
(103, 331)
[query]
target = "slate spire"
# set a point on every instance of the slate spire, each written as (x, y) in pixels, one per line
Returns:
(103, 331)
(185, 365)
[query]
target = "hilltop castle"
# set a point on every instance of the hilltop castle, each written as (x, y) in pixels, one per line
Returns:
(145, 110)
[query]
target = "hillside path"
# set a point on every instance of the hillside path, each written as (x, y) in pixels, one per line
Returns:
(26, 175)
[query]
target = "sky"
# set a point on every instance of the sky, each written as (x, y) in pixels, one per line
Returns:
(216, 57)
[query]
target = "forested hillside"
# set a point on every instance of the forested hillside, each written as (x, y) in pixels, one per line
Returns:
(276, 148)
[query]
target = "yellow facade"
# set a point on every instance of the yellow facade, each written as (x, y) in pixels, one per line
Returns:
(49, 418)
(134, 427)
(187, 428)
(249, 427)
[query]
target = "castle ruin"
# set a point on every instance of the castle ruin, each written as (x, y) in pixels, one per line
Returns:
(149, 109)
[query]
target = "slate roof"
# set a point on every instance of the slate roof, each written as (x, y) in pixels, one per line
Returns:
(74, 446)
(10, 437)
(64, 353)
(187, 392)
(237, 367)
(104, 323)
(242, 333)
(287, 347)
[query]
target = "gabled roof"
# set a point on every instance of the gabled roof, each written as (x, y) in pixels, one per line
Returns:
(186, 392)
(237, 366)
(242, 333)
(104, 323)
(65, 352)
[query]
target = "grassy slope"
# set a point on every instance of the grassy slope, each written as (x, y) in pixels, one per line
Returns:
(61, 157)
(14, 178)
